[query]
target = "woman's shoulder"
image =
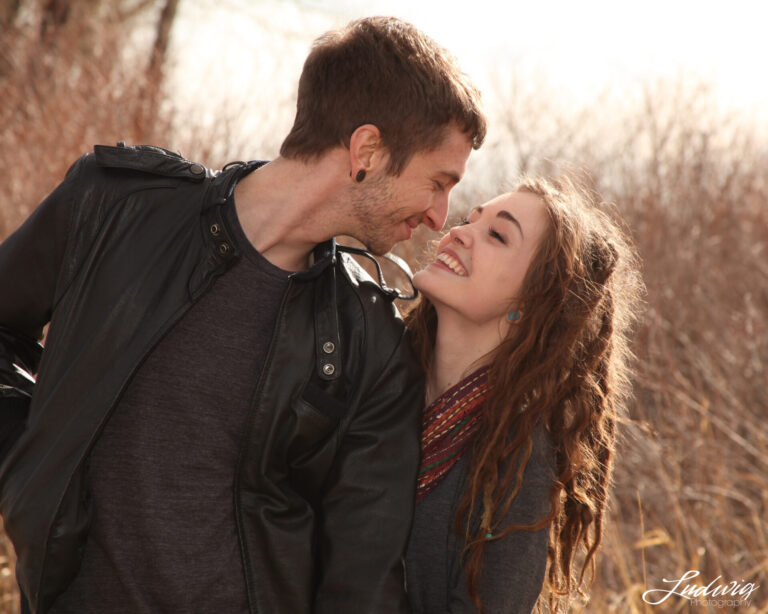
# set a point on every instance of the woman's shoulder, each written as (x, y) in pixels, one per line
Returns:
(543, 451)
(541, 462)
(531, 502)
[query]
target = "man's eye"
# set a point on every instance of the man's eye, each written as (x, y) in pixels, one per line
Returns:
(439, 186)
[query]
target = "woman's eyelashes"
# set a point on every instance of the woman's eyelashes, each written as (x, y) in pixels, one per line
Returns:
(495, 235)
(491, 232)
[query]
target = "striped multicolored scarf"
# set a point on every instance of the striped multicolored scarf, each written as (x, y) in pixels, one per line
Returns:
(447, 428)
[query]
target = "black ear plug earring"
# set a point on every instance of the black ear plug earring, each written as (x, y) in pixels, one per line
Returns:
(360, 176)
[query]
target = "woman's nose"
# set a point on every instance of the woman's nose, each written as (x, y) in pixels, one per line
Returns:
(461, 235)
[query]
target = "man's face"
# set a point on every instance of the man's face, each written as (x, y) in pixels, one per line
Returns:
(387, 208)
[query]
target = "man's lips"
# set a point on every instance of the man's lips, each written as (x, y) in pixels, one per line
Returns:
(408, 230)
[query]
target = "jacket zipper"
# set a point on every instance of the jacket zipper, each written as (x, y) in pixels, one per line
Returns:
(247, 570)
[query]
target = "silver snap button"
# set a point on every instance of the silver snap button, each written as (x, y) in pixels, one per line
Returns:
(223, 249)
(328, 347)
(215, 230)
(328, 369)
(196, 169)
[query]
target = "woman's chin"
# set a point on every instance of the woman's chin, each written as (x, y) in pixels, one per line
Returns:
(418, 279)
(423, 281)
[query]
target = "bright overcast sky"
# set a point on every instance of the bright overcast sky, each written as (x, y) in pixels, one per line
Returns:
(578, 47)
(594, 42)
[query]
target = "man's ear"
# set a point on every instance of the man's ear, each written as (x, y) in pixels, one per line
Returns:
(366, 150)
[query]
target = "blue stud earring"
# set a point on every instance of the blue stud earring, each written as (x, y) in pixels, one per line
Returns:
(513, 316)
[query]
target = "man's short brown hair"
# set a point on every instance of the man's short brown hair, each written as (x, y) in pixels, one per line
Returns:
(381, 71)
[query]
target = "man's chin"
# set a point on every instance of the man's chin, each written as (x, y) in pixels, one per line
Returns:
(385, 245)
(378, 247)
(379, 250)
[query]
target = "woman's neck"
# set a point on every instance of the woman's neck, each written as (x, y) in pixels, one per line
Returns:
(460, 348)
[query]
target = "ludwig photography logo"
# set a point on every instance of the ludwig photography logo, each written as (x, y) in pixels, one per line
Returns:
(718, 593)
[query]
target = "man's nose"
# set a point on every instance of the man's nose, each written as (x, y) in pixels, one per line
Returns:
(435, 216)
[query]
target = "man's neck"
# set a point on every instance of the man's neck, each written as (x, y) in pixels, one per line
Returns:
(287, 207)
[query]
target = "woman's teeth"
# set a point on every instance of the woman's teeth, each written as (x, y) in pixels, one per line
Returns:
(452, 264)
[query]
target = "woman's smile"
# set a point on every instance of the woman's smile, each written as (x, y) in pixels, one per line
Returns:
(451, 261)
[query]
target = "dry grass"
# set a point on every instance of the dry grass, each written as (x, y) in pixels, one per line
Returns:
(691, 488)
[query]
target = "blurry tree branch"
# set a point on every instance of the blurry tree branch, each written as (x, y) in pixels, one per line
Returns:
(126, 13)
(55, 13)
(9, 11)
(73, 72)
(162, 37)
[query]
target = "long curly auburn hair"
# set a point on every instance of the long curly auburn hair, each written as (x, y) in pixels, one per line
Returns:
(565, 364)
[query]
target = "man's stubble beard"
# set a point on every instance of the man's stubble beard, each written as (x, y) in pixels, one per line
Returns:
(375, 217)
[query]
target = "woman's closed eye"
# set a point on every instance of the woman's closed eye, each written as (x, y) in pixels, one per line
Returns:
(491, 231)
(495, 235)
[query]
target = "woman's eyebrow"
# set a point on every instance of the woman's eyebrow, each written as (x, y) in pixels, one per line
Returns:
(506, 215)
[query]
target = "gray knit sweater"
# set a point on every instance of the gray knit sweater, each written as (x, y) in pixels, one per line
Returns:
(514, 566)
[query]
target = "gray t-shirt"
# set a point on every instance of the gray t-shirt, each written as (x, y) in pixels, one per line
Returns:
(163, 537)
(514, 565)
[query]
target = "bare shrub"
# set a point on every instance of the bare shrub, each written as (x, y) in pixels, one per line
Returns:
(66, 85)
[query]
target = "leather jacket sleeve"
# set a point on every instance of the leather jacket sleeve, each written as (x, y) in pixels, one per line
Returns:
(30, 263)
(368, 503)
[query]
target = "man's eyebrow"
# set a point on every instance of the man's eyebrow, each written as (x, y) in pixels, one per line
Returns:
(506, 215)
(454, 177)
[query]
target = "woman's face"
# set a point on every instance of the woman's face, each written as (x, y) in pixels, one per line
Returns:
(481, 264)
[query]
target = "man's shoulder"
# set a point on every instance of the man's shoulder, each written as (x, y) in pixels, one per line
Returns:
(372, 309)
(368, 313)
(109, 174)
(106, 179)
(148, 160)
(374, 298)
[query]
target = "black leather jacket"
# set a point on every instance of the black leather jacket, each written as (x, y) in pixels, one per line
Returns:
(324, 490)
